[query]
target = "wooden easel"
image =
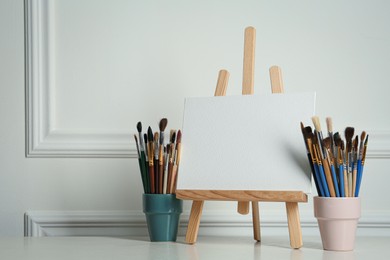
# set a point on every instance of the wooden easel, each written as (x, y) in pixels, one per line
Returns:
(244, 197)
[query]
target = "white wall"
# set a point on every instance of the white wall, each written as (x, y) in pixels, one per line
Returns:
(111, 57)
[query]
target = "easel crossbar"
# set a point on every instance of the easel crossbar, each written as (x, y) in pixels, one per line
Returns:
(243, 195)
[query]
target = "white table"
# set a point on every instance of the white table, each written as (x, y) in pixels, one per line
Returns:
(241, 248)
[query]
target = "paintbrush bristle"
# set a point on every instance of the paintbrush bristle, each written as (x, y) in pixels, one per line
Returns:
(178, 137)
(156, 137)
(136, 143)
(329, 124)
(139, 127)
(145, 138)
(366, 141)
(163, 124)
(349, 132)
(316, 122)
(173, 137)
(337, 140)
(302, 126)
(150, 134)
(327, 141)
(362, 136)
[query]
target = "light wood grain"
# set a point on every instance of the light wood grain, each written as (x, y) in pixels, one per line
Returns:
(256, 221)
(276, 79)
(249, 61)
(328, 177)
(294, 224)
(194, 221)
(248, 83)
(222, 82)
(242, 195)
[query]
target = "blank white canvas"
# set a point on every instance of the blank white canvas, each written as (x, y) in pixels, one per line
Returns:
(248, 142)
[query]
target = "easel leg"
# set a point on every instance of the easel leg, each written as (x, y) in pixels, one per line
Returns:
(294, 224)
(256, 221)
(194, 220)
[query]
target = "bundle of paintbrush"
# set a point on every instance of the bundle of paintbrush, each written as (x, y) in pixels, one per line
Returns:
(158, 162)
(337, 166)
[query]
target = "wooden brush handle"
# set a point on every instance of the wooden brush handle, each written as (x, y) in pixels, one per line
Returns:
(151, 177)
(328, 177)
(161, 178)
(170, 168)
(346, 189)
(156, 177)
(173, 179)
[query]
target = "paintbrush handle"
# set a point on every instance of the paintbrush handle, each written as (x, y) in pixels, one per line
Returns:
(346, 185)
(335, 182)
(170, 168)
(341, 178)
(323, 180)
(161, 178)
(152, 179)
(328, 176)
(315, 175)
(173, 179)
(354, 179)
(142, 173)
(156, 176)
(320, 189)
(145, 172)
(359, 178)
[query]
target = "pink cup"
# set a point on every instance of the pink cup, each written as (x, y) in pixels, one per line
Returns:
(337, 219)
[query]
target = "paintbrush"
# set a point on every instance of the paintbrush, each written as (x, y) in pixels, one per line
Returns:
(143, 156)
(170, 162)
(340, 165)
(360, 170)
(176, 164)
(307, 132)
(346, 190)
(146, 163)
(359, 163)
(329, 126)
(336, 139)
(316, 173)
(349, 132)
(166, 160)
(156, 163)
(162, 125)
(151, 160)
(318, 160)
(329, 158)
(141, 164)
(318, 132)
(354, 169)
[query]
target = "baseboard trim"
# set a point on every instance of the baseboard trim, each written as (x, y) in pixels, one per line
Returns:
(133, 223)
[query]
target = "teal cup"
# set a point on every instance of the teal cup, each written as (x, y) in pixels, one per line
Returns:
(162, 213)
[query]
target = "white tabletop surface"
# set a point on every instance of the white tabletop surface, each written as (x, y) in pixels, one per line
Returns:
(206, 248)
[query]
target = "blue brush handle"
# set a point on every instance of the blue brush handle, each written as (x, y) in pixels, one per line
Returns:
(334, 177)
(320, 189)
(323, 180)
(341, 177)
(359, 177)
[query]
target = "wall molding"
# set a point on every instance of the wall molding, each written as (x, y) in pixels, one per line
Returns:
(43, 140)
(132, 223)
